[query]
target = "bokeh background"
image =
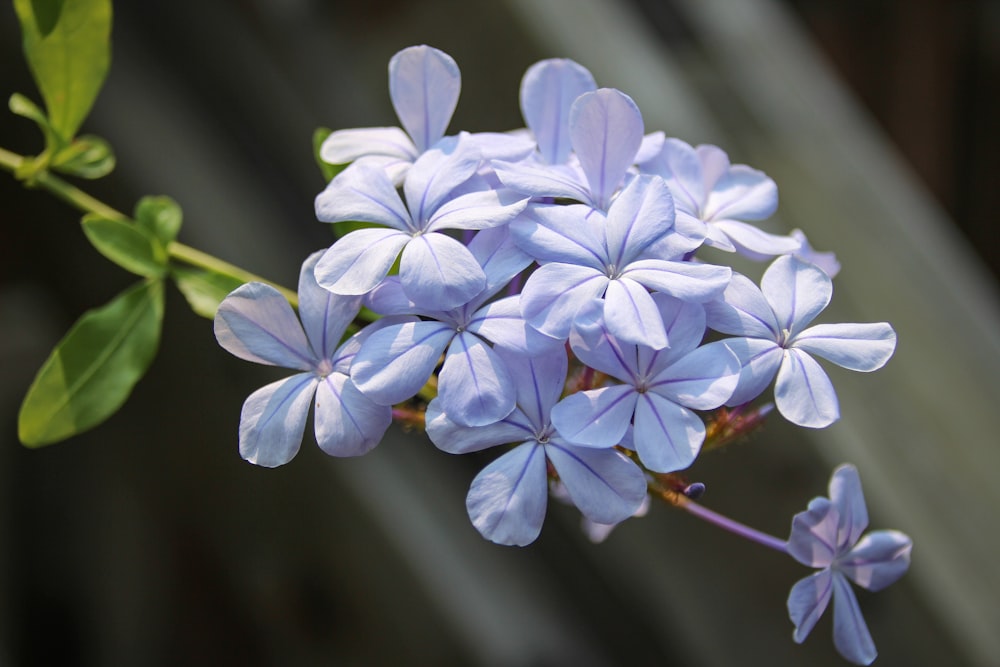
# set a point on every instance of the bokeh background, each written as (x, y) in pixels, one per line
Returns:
(148, 541)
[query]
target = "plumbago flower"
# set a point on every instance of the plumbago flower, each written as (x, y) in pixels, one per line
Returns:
(659, 387)
(256, 323)
(586, 255)
(474, 386)
(828, 535)
(435, 270)
(720, 197)
(507, 500)
(776, 340)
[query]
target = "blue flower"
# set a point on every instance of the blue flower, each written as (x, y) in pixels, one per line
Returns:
(256, 323)
(711, 192)
(508, 499)
(586, 255)
(775, 339)
(829, 536)
(436, 271)
(660, 387)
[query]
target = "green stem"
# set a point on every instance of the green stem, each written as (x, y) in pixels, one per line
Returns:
(79, 199)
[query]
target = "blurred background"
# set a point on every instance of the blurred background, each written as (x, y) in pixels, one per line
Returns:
(148, 541)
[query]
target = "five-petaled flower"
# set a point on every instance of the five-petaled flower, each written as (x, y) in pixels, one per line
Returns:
(256, 323)
(828, 536)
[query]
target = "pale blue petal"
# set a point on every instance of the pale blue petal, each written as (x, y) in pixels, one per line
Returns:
(632, 316)
(652, 145)
(435, 176)
(850, 632)
(597, 348)
(273, 420)
(548, 90)
(597, 417)
(679, 165)
(849, 500)
(741, 193)
(603, 484)
(437, 271)
(474, 386)
(797, 292)
(390, 299)
(554, 293)
(742, 310)
(508, 498)
(358, 262)
(714, 165)
(256, 323)
(807, 602)
(753, 242)
(538, 180)
(683, 321)
(424, 84)
(566, 234)
(500, 322)
(347, 422)
(858, 347)
(684, 280)
(324, 315)
(824, 260)
(642, 214)
(454, 438)
(803, 392)
(345, 146)
(667, 436)
(514, 145)
(495, 250)
(395, 362)
(476, 210)
(365, 193)
(606, 130)
(759, 362)
(703, 379)
(813, 540)
(879, 559)
(537, 382)
(344, 356)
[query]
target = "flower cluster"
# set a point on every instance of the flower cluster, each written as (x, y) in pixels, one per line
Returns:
(540, 290)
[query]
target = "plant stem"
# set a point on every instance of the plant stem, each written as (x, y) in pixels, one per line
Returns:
(82, 201)
(683, 502)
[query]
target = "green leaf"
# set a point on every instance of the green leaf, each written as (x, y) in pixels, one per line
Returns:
(126, 244)
(88, 156)
(328, 170)
(161, 216)
(204, 289)
(92, 371)
(68, 49)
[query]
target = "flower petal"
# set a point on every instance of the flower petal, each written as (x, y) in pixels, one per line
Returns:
(395, 362)
(807, 602)
(597, 417)
(348, 423)
(797, 291)
(605, 485)
(363, 192)
(742, 193)
(850, 632)
(679, 165)
(344, 146)
(508, 498)
(356, 263)
(606, 130)
(437, 174)
(759, 363)
(858, 347)
(631, 314)
(436, 271)
(475, 210)
(563, 234)
(554, 294)
(540, 180)
(813, 540)
(424, 84)
(273, 420)
(474, 386)
(880, 558)
(641, 215)
(667, 436)
(684, 280)
(256, 323)
(324, 315)
(702, 379)
(451, 437)
(849, 501)
(754, 242)
(803, 392)
(742, 310)
(548, 90)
